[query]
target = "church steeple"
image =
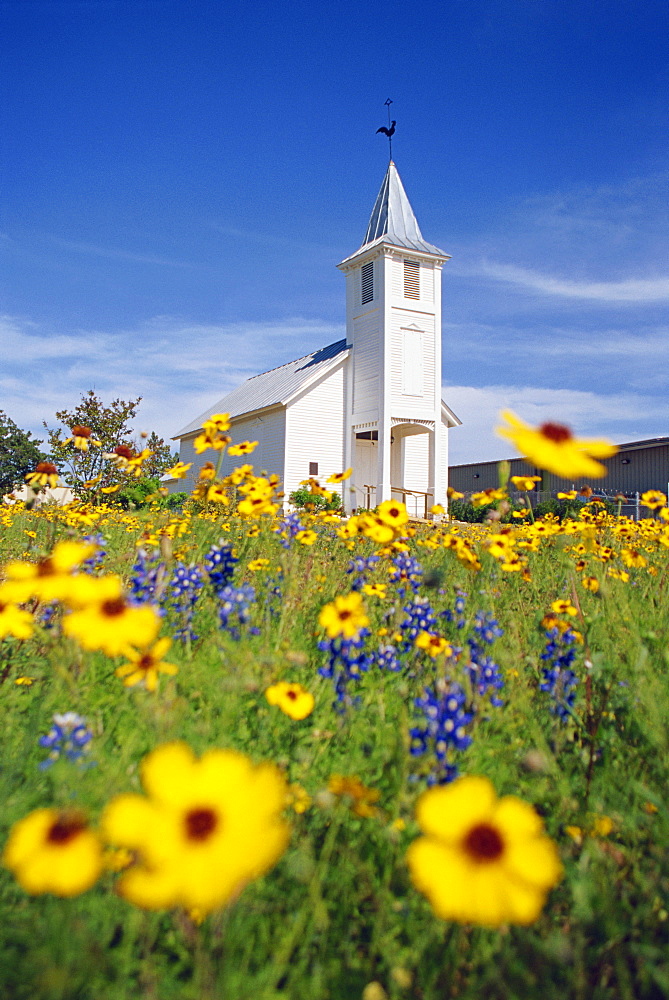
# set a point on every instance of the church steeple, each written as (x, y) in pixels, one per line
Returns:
(393, 218)
(396, 430)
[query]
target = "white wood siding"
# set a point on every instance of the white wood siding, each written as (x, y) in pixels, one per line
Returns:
(403, 403)
(315, 431)
(367, 362)
(268, 429)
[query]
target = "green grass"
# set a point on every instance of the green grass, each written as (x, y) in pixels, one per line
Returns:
(338, 912)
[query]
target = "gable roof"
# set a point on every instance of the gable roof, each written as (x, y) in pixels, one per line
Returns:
(276, 387)
(393, 219)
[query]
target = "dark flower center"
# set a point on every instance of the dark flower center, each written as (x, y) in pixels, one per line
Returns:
(146, 662)
(113, 608)
(483, 843)
(292, 695)
(343, 615)
(82, 432)
(46, 568)
(123, 451)
(65, 829)
(200, 824)
(555, 432)
(48, 467)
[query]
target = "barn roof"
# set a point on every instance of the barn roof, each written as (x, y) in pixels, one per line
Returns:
(273, 388)
(393, 219)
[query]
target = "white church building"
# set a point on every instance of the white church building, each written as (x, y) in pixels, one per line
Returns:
(372, 401)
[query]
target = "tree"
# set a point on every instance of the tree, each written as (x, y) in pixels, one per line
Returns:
(106, 429)
(19, 454)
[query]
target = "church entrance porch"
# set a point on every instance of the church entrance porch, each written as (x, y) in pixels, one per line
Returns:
(410, 469)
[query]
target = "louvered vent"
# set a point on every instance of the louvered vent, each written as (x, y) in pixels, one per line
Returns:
(367, 279)
(411, 279)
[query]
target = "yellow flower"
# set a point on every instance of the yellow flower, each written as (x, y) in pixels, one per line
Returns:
(345, 616)
(525, 483)
(351, 787)
(218, 494)
(633, 559)
(434, 645)
(488, 496)
(217, 423)
(112, 626)
(339, 477)
(653, 499)
(49, 579)
(453, 494)
(257, 564)
(24, 681)
(206, 829)
(561, 607)
(298, 799)
(81, 438)
(146, 665)
(292, 699)
(553, 447)
(392, 513)
(306, 537)
(590, 583)
(243, 448)
(15, 621)
(568, 495)
(437, 510)
(45, 474)
(179, 471)
(375, 589)
(51, 851)
(482, 860)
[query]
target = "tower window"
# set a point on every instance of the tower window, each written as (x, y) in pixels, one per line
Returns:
(411, 279)
(367, 282)
(313, 468)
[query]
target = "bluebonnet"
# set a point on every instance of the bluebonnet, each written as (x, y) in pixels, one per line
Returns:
(457, 615)
(361, 566)
(420, 617)
(69, 737)
(98, 556)
(386, 657)
(219, 563)
(147, 574)
(347, 661)
(484, 673)
(182, 593)
(235, 608)
(288, 528)
(441, 731)
(558, 679)
(406, 571)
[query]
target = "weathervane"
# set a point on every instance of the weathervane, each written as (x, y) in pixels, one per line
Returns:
(389, 130)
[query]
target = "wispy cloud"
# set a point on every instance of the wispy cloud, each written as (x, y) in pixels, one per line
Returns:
(620, 416)
(645, 290)
(113, 253)
(178, 368)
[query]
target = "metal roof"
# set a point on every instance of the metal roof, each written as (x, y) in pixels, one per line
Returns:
(273, 388)
(393, 219)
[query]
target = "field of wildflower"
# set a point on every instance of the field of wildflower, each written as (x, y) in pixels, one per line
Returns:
(255, 754)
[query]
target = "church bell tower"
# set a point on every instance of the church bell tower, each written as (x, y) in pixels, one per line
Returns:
(395, 421)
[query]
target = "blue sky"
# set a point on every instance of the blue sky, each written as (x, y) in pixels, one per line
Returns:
(182, 176)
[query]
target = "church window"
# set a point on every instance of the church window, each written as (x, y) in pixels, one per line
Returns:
(367, 282)
(411, 279)
(313, 468)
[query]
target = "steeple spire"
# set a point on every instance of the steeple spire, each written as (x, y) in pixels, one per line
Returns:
(393, 219)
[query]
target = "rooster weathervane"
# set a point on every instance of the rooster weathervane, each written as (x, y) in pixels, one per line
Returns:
(388, 130)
